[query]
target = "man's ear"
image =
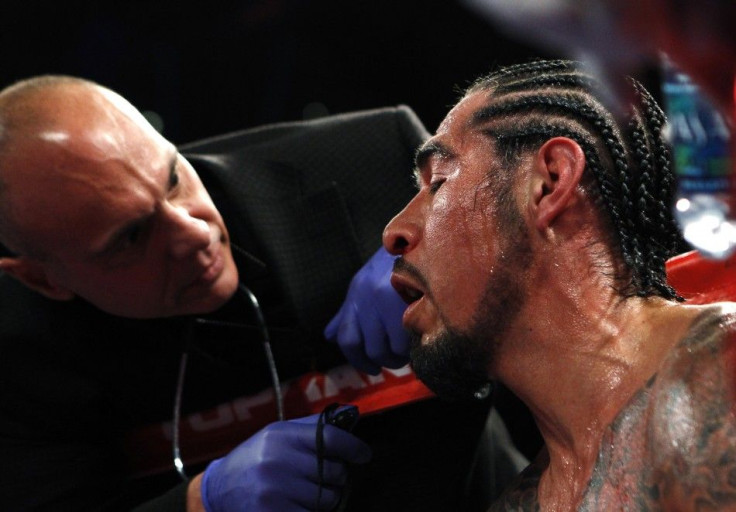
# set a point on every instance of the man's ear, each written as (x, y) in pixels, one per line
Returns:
(33, 274)
(558, 169)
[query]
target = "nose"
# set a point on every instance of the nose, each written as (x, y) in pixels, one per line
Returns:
(187, 234)
(403, 232)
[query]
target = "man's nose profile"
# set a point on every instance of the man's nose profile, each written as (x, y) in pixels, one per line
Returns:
(187, 234)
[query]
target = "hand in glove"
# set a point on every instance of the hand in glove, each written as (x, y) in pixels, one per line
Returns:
(277, 469)
(368, 326)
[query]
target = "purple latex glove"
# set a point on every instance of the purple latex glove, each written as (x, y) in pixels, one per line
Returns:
(368, 326)
(276, 469)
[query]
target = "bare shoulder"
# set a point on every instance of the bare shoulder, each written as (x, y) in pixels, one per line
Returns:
(693, 417)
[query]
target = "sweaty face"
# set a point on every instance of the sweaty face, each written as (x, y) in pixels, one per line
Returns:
(124, 220)
(464, 249)
(455, 364)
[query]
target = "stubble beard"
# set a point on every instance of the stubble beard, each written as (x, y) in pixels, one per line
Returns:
(455, 365)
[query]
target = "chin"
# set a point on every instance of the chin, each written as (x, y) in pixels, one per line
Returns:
(219, 294)
(212, 298)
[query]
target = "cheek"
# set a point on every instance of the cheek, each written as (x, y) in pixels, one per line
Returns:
(461, 235)
(200, 195)
(460, 250)
(195, 190)
(126, 286)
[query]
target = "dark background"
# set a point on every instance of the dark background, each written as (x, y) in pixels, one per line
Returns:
(219, 66)
(215, 67)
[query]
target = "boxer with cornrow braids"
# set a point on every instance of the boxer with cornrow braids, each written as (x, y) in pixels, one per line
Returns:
(533, 255)
(532, 100)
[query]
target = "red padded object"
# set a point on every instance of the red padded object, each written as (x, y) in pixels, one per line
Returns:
(701, 280)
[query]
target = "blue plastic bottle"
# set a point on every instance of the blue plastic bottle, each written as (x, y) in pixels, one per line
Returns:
(700, 139)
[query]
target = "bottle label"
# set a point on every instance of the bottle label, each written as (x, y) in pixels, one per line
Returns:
(700, 138)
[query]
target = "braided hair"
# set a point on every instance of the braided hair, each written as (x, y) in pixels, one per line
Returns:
(628, 170)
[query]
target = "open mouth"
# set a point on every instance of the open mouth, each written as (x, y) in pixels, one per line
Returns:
(406, 290)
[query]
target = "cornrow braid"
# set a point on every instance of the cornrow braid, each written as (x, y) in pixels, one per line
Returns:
(552, 81)
(534, 67)
(627, 157)
(665, 180)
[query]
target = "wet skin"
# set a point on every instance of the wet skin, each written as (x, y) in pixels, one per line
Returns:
(673, 447)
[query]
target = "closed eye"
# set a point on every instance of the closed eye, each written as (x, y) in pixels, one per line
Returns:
(435, 186)
(173, 180)
(173, 173)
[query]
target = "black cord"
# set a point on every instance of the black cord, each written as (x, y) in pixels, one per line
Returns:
(176, 420)
(276, 382)
(266, 339)
(327, 416)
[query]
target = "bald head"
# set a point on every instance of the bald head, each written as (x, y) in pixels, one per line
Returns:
(46, 123)
(97, 204)
(18, 113)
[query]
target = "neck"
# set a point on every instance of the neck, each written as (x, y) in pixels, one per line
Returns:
(579, 363)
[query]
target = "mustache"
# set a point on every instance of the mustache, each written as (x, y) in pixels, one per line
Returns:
(401, 266)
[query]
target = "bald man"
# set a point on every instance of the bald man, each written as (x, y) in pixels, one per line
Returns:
(115, 243)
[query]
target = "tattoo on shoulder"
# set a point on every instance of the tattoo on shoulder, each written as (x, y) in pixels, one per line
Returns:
(695, 424)
(674, 445)
(521, 495)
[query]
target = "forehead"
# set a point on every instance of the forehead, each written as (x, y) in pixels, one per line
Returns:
(93, 123)
(462, 116)
(81, 167)
(460, 130)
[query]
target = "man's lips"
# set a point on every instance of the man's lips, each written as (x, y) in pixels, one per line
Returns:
(212, 271)
(408, 290)
(412, 294)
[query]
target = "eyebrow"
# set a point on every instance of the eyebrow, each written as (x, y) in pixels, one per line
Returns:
(132, 224)
(424, 153)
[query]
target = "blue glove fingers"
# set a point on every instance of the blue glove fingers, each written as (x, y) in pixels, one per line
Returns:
(306, 496)
(398, 337)
(344, 446)
(344, 328)
(377, 344)
(352, 343)
(368, 325)
(378, 311)
(392, 308)
(280, 496)
(209, 487)
(382, 310)
(303, 466)
(276, 470)
(339, 445)
(293, 477)
(332, 327)
(334, 473)
(305, 420)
